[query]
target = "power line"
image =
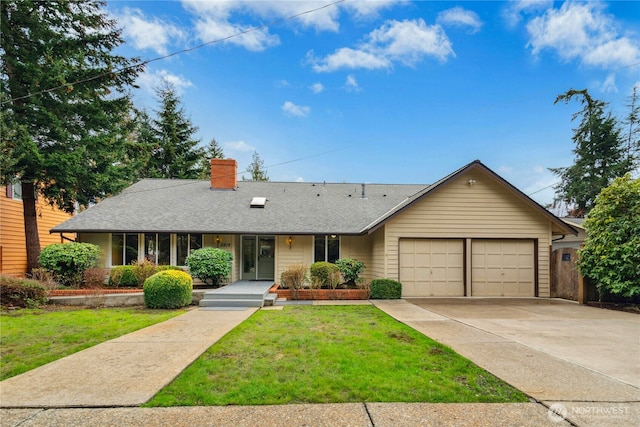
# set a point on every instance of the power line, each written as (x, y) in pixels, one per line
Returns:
(544, 188)
(190, 49)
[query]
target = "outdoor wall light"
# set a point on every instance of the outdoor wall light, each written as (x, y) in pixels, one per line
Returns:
(218, 240)
(471, 181)
(289, 241)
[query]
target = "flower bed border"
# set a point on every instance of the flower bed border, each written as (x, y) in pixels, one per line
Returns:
(323, 294)
(83, 292)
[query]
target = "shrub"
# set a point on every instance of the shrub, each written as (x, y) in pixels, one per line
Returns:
(93, 277)
(324, 274)
(68, 261)
(23, 293)
(611, 254)
(123, 275)
(385, 289)
(168, 289)
(44, 277)
(294, 276)
(351, 269)
(143, 270)
(211, 265)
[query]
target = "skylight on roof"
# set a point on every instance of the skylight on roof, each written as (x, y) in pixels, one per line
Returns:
(258, 202)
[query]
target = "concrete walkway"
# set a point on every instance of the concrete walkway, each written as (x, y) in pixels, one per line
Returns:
(112, 378)
(578, 359)
(126, 371)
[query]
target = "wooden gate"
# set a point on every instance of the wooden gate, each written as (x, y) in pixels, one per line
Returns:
(564, 274)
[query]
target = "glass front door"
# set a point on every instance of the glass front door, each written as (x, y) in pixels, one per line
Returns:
(258, 257)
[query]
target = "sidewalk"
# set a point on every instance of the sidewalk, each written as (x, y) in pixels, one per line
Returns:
(126, 371)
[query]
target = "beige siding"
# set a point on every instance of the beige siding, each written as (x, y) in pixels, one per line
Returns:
(378, 264)
(101, 239)
(485, 209)
(358, 247)
(300, 252)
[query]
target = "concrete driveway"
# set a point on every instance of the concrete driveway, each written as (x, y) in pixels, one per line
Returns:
(582, 361)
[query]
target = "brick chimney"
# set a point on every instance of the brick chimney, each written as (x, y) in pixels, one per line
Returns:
(224, 174)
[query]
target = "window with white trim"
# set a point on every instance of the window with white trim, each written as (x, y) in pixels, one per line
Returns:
(326, 248)
(124, 248)
(185, 243)
(157, 248)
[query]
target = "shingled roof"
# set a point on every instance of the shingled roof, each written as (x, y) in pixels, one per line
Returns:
(190, 206)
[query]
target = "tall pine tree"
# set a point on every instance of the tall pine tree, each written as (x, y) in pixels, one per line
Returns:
(64, 105)
(178, 154)
(256, 169)
(211, 151)
(600, 154)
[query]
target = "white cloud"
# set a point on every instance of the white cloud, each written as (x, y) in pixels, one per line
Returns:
(348, 58)
(351, 84)
(609, 84)
(240, 146)
(295, 110)
(583, 32)
(540, 169)
(406, 42)
(299, 179)
(516, 8)
(363, 9)
(251, 38)
(460, 17)
(150, 81)
(148, 33)
(317, 88)
(282, 83)
(218, 20)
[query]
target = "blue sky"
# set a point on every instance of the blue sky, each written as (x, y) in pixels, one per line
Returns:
(387, 91)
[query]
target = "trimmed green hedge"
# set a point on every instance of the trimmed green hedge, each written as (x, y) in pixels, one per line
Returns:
(67, 261)
(168, 289)
(385, 289)
(123, 275)
(22, 293)
(324, 274)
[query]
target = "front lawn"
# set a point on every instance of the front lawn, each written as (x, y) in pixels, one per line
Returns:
(322, 354)
(31, 338)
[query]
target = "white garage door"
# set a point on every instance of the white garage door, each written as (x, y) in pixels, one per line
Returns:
(502, 268)
(431, 267)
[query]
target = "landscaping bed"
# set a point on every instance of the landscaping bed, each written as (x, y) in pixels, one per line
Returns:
(81, 292)
(320, 294)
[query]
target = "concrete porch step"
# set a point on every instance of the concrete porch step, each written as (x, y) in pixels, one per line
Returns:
(231, 303)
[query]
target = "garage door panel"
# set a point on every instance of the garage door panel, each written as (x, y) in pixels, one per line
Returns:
(435, 269)
(502, 268)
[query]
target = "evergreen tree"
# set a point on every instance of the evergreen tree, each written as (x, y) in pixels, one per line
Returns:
(632, 128)
(64, 104)
(212, 151)
(256, 169)
(600, 154)
(177, 154)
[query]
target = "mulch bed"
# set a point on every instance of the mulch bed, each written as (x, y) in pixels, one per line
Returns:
(619, 306)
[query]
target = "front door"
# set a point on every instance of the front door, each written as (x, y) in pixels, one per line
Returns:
(258, 257)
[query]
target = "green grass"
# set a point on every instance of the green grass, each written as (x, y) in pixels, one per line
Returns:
(323, 354)
(32, 338)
